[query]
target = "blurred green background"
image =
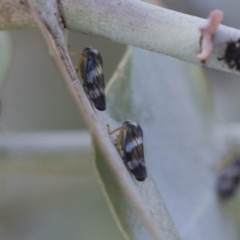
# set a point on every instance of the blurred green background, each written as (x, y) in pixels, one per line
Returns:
(34, 96)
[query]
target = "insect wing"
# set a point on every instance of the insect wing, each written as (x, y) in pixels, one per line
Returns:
(232, 54)
(93, 80)
(133, 150)
(228, 180)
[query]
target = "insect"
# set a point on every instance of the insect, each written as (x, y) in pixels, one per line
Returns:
(232, 54)
(228, 179)
(91, 69)
(130, 145)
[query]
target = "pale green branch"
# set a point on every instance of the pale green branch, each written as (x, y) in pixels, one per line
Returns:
(131, 22)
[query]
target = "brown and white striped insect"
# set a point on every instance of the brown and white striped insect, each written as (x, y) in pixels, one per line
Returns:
(91, 69)
(130, 145)
(232, 54)
(228, 179)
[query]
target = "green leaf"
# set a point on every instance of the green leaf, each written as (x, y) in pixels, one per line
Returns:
(5, 54)
(171, 102)
(120, 105)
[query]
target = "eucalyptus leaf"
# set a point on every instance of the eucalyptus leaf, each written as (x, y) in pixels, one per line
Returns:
(170, 100)
(119, 97)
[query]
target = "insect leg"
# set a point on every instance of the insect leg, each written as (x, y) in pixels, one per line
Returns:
(74, 54)
(231, 65)
(78, 66)
(120, 136)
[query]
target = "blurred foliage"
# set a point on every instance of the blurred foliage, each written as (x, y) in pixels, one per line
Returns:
(5, 54)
